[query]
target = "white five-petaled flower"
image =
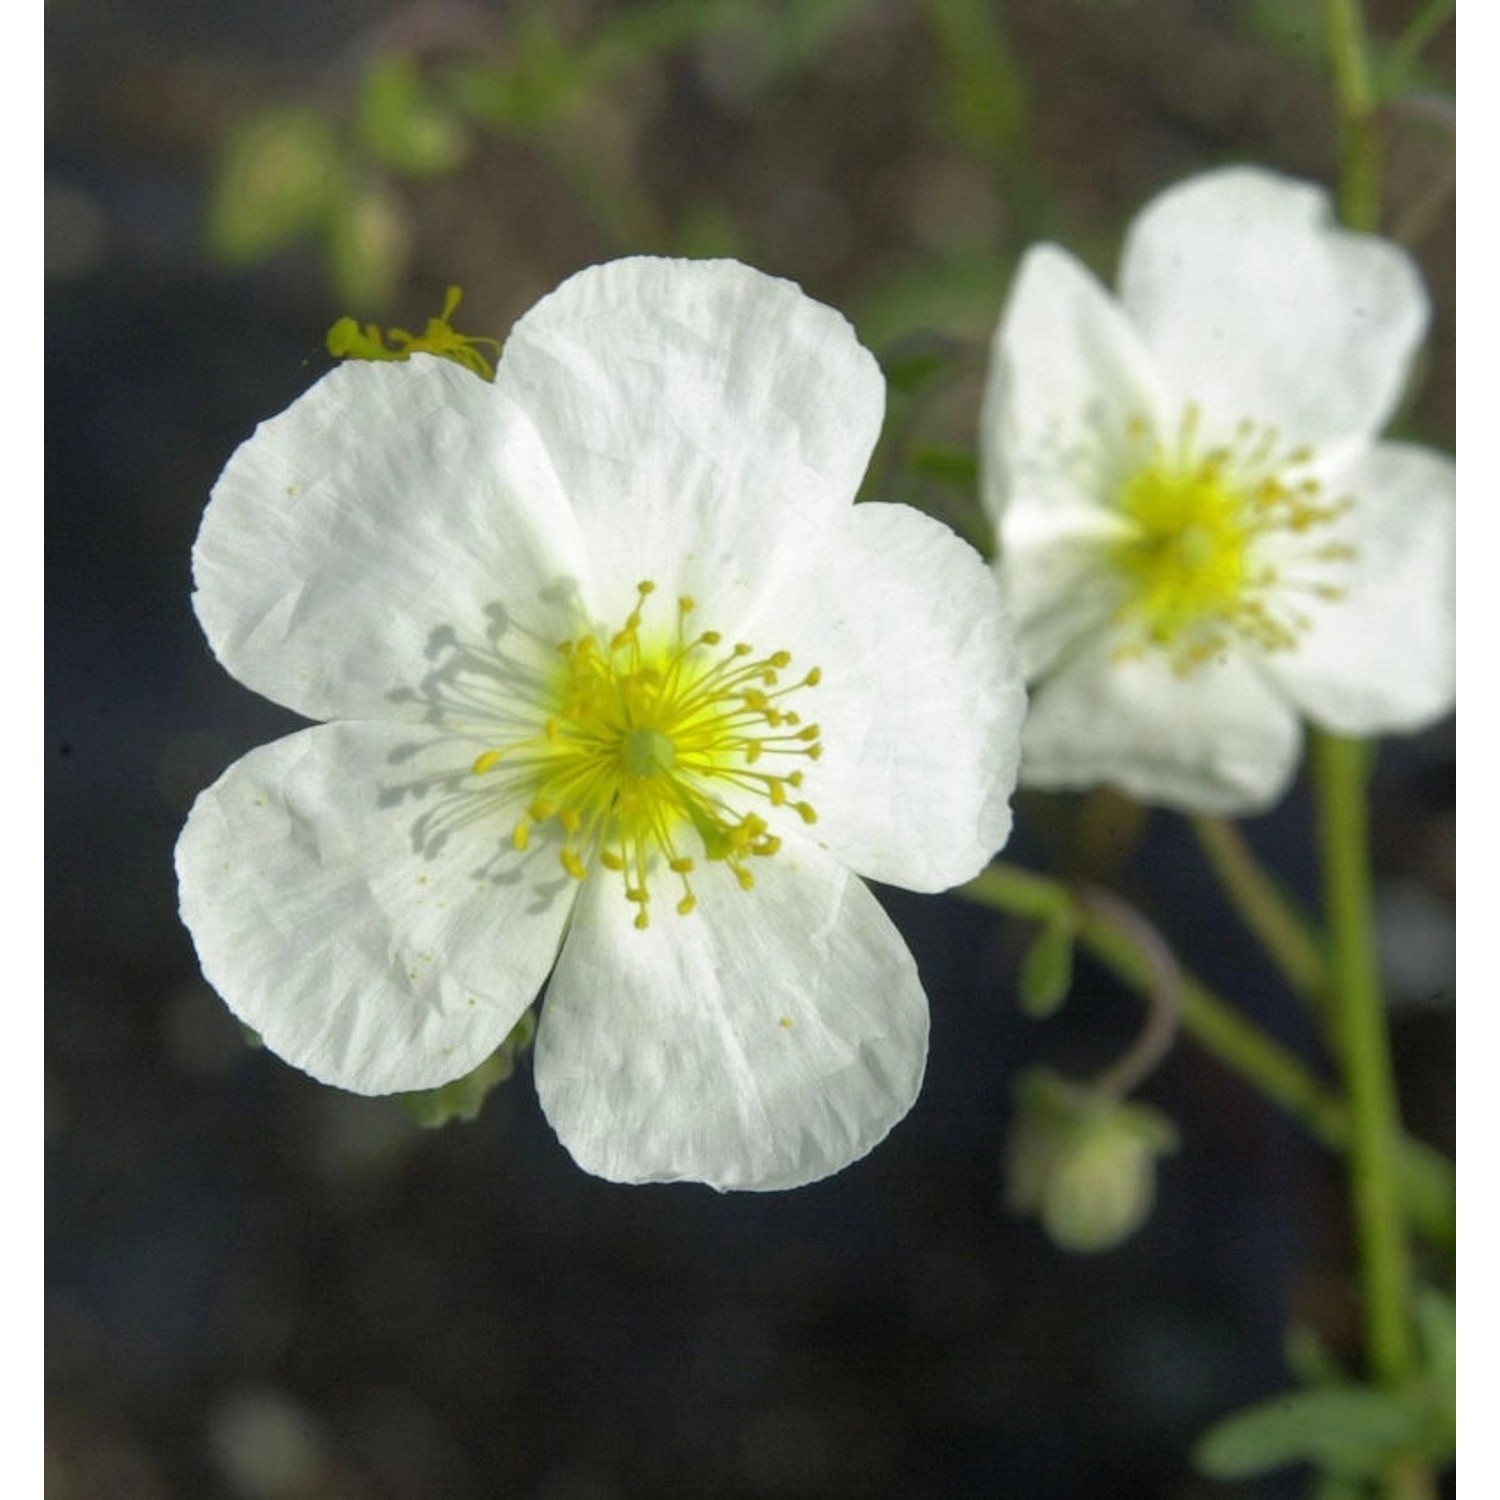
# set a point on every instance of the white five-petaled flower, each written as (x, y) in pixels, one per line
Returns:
(617, 685)
(1199, 534)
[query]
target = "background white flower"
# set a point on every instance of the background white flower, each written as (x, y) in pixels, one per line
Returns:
(1198, 531)
(603, 639)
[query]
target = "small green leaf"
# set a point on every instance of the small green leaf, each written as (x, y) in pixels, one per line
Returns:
(958, 468)
(1345, 1430)
(983, 93)
(402, 126)
(1308, 1359)
(1437, 1389)
(278, 174)
(1047, 970)
(367, 246)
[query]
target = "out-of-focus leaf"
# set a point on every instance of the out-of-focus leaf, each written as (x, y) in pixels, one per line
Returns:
(367, 246)
(960, 296)
(402, 126)
(278, 174)
(1308, 1359)
(708, 229)
(1047, 970)
(1437, 1326)
(628, 37)
(1293, 26)
(1346, 1430)
(1337, 1487)
(536, 83)
(958, 468)
(983, 94)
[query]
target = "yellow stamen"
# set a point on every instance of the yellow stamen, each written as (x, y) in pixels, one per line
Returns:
(647, 742)
(1195, 560)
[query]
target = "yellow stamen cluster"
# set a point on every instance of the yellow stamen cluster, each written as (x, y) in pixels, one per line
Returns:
(1194, 557)
(348, 339)
(647, 743)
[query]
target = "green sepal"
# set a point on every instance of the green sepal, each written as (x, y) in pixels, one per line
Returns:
(464, 1097)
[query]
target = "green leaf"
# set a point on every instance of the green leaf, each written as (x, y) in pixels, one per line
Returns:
(367, 246)
(1308, 1358)
(983, 93)
(541, 81)
(278, 174)
(960, 295)
(958, 468)
(1346, 1430)
(1047, 970)
(1437, 1389)
(1337, 1487)
(1437, 1323)
(401, 124)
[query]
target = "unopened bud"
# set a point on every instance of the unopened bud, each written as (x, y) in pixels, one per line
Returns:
(1085, 1167)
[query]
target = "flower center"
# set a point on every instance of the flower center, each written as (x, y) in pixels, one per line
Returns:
(1213, 546)
(650, 754)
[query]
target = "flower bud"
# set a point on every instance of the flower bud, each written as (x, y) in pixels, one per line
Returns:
(1084, 1166)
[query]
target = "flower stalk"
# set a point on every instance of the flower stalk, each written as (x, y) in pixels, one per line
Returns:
(1340, 767)
(1295, 949)
(1354, 100)
(1425, 1175)
(1339, 772)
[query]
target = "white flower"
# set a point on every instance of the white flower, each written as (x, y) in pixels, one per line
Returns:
(618, 685)
(1198, 531)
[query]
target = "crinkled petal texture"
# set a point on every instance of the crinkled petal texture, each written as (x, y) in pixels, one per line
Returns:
(920, 701)
(1256, 304)
(1221, 739)
(390, 501)
(701, 416)
(1381, 659)
(402, 553)
(1068, 374)
(350, 906)
(764, 1042)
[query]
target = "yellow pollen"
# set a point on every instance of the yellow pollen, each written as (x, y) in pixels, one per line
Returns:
(654, 750)
(1205, 555)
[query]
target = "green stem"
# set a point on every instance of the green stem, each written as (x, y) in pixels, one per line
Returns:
(1339, 770)
(1355, 100)
(1427, 1179)
(1369, 1079)
(1295, 949)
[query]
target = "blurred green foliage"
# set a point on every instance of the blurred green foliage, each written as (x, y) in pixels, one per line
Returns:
(1349, 1433)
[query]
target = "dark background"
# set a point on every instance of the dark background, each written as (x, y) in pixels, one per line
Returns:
(261, 1288)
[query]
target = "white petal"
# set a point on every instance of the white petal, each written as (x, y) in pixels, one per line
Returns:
(1218, 740)
(1068, 374)
(1382, 658)
(699, 413)
(333, 917)
(1259, 306)
(921, 698)
(389, 502)
(767, 1040)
